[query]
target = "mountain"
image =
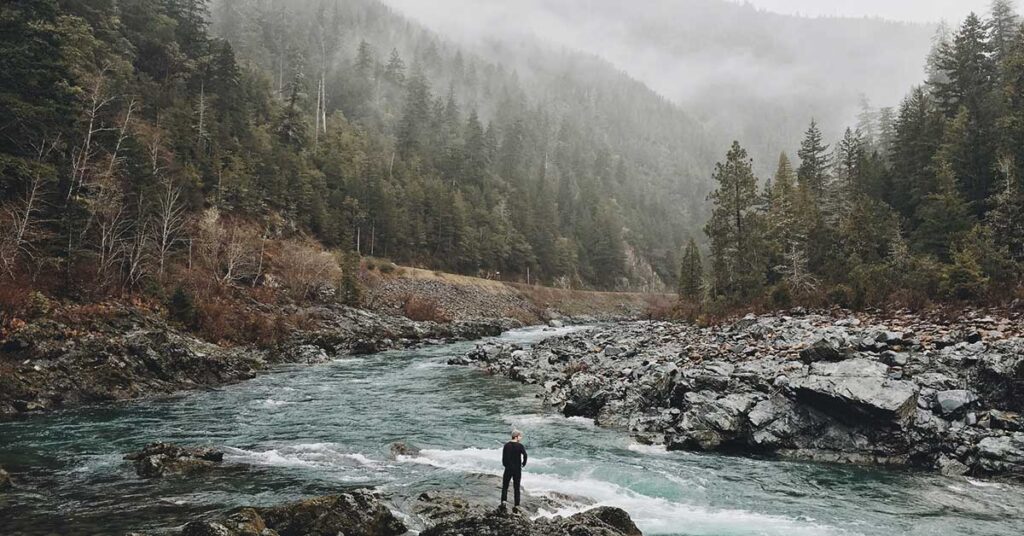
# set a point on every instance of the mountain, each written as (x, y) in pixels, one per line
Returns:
(744, 73)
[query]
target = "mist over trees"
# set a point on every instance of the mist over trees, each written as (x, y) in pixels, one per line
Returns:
(915, 204)
(150, 142)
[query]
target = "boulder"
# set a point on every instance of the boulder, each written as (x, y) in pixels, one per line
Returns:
(952, 401)
(359, 513)
(856, 391)
(585, 396)
(161, 459)
(5, 480)
(822, 350)
(401, 448)
(603, 521)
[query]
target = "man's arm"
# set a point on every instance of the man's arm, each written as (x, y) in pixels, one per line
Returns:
(524, 455)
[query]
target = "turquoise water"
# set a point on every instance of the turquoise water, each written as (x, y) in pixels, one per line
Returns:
(315, 430)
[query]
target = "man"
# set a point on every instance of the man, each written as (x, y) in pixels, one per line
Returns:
(513, 457)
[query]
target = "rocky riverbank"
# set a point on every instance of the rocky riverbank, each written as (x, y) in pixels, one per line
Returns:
(366, 513)
(128, 353)
(902, 390)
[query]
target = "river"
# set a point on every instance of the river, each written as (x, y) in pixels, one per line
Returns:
(314, 430)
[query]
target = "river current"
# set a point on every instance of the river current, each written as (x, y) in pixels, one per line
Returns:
(314, 430)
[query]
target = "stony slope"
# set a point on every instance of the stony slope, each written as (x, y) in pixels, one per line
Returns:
(904, 390)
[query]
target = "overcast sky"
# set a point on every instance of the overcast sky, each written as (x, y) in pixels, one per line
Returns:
(908, 10)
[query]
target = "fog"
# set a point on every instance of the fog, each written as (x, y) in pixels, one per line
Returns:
(904, 10)
(747, 72)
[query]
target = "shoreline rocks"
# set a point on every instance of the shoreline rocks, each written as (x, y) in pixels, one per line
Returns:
(364, 513)
(601, 521)
(357, 513)
(904, 390)
(48, 365)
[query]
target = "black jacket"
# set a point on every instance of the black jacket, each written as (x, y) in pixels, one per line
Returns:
(510, 455)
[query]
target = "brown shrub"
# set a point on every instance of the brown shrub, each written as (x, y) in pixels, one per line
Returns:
(14, 302)
(659, 307)
(305, 268)
(215, 321)
(423, 309)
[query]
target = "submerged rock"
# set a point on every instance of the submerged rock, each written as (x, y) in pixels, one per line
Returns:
(161, 459)
(5, 480)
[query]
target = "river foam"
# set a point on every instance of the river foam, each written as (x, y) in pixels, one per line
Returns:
(654, 515)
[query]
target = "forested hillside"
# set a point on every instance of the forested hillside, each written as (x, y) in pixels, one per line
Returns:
(921, 204)
(132, 127)
(743, 72)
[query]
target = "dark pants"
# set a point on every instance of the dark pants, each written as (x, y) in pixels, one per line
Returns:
(514, 474)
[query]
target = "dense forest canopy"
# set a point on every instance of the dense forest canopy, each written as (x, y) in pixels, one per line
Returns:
(918, 203)
(140, 135)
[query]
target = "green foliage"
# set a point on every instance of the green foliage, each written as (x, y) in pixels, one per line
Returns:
(181, 308)
(738, 253)
(691, 273)
(350, 290)
(964, 279)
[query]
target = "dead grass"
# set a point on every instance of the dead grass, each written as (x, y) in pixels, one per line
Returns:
(423, 309)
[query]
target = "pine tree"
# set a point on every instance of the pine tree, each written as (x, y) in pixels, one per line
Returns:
(918, 135)
(691, 273)
(967, 63)
(413, 129)
(943, 217)
(813, 169)
(35, 89)
(365, 59)
(735, 228)
(1005, 27)
(394, 71)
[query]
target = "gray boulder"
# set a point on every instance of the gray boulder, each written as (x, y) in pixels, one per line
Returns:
(822, 350)
(856, 391)
(951, 402)
(161, 459)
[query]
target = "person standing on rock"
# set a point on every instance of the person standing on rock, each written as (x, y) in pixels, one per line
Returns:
(513, 457)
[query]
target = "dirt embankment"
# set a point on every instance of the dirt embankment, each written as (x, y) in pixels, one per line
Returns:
(427, 295)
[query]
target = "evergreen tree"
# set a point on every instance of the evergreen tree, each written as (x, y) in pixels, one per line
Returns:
(394, 71)
(918, 134)
(35, 89)
(735, 227)
(1005, 27)
(691, 273)
(813, 170)
(943, 217)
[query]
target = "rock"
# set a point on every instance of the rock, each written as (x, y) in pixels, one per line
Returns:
(952, 467)
(206, 528)
(5, 480)
(951, 402)
(585, 396)
(359, 513)
(556, 323)
(400, 448)
(1002, 454)
(160, 459)
(821, 350)
(1005, 420)
(856, 390)
(603, 521)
